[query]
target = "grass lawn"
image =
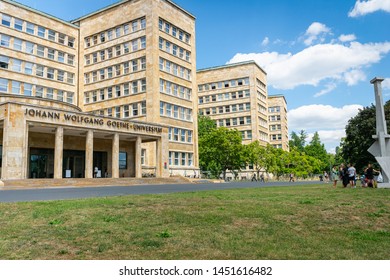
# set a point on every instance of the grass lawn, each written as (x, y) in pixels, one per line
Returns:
(298, 222)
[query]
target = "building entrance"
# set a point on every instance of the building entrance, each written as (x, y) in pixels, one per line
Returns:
(41, 163)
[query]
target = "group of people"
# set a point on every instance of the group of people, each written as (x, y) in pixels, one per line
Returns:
(348, 176)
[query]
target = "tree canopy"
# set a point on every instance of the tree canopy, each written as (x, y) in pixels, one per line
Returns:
(359, 132)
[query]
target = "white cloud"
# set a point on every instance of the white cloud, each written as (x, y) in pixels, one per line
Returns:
(354, 76)
(265, 42)
(317, 63)
(347, 37)
(362, 8)
(328, 88)
(327, 120)
(316, 31)
(386, 83)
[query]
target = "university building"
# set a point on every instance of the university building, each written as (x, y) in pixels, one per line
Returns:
(112, 93)
(235, 96)
(278, 126)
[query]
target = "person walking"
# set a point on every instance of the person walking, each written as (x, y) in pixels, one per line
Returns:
(344, 175)
(335, 175)
(352, 175)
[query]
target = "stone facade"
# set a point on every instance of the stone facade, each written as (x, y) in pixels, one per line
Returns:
(131, 63)
(278, 125)
(235, 96)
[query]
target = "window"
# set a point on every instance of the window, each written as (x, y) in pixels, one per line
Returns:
(39, 71)
(117, 70)
(3, 85)
(60, 95)
(183, 159)
(118, 112)
(126, 29)
(135, 65)
(143, 108)
(143, 42)
(70, 78)
(15, 87)
(4, 40)
(50, 53)
(28, 89)
(109, 35)
(183, 135)
(102, 37)
(86, 97)
(118, 91)
(94, 57)
(28, 68)
(189, 136)
(18, 44)
(88, 42)
(40, 51)
(135, 109)
(18, 24)
(4, 62)
(109, 92)
(39, 91)
(70, 59)
(61, 38)
(61, 57)
(126, 112)
(6, 20)
(143, 156)
(134, 26)
(102, 55)
(122, 160)
(109, 72)
(50, 73)
(134, 45)
(176, 158)
(101, 71)
(109, 53)
(60, 75)
(135, 87)
(29, 47)
(109, 112)
(126, 47)
(126, 67)
(143, 63)
(102, 94)
(41, 31)
(17, 65)
(126, 89)
(69, 97)
(117, 32)
(30, 28)
(118, 50)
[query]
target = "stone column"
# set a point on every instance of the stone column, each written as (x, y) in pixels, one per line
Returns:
(158, 158)
(115, 156)
(58, 152)
(138, 152)
(89, 155)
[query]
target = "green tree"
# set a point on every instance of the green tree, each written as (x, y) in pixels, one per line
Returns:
(256, 154)
(205, 125)
(220, 150)
(359, 131)
(317, 150)
(298, 141)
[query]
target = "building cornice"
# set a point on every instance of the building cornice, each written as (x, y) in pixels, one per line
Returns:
(231, 65)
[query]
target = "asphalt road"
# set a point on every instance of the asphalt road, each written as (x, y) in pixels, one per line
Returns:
(59, 193)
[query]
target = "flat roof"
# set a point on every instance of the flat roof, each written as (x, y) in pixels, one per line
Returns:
(124, 1)
(278, 96)
(11, 2)
(232, 65)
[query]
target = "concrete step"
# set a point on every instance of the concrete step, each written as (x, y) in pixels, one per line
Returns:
(95, 182)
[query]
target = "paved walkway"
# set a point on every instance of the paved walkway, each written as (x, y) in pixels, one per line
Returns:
(61, 193)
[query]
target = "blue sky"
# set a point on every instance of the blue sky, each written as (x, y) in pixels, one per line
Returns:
(320, 54)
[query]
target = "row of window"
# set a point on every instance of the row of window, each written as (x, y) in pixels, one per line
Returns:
(275, 127)
(34, 49)
(275, 137)
(263, 122)
(110, 72)
(174, 31)
(234, 121)
(174, 50)
(261, 109)
(274, 118)
(38, 30)
(29, 68)
(260, 84)
(224, 96)
(131, 110)
(116, 32)
(180, 159)
(261, 96)
(133, 87)
(26, 89)
(175, 89)
(116, 51)
(263, 136)
(224, 84)
(246, 134)
(274, 109)
(226, 109)
(180, 135)
(175, 69)
(175, 111)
